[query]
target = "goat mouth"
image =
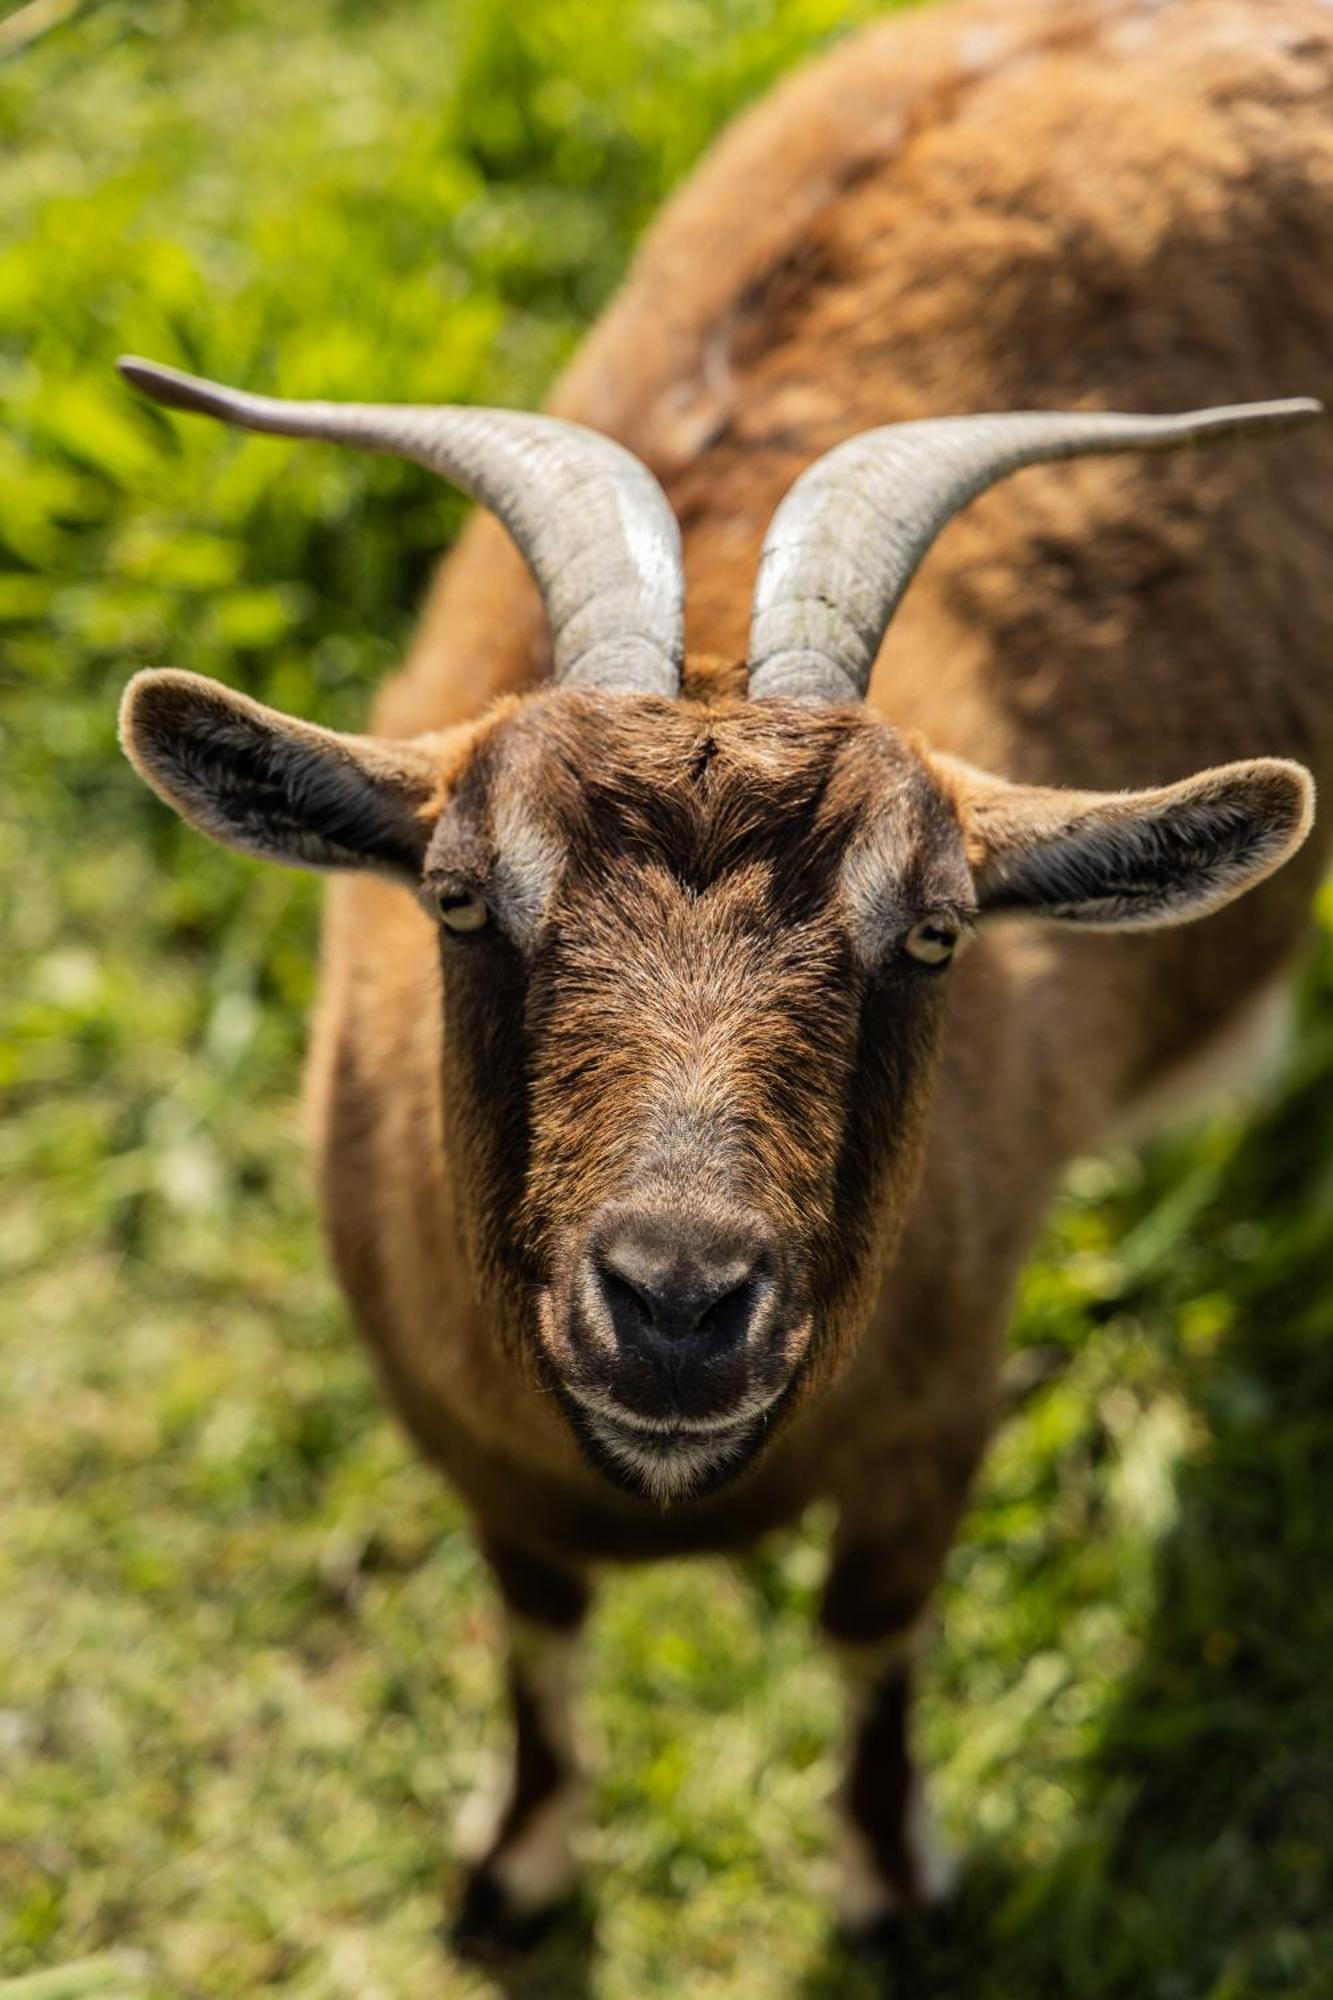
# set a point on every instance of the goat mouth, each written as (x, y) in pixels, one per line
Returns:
(676, 1426)
(667, 1459)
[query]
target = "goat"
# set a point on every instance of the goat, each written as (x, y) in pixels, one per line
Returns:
(705, 1025)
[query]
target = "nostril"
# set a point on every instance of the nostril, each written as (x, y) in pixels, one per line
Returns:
(629, 1304)
(728, 1316)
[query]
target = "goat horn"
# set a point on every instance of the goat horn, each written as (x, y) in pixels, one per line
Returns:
(590, 520)
(845, 543)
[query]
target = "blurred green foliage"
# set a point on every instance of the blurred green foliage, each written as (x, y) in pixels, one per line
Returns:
(247, 1670)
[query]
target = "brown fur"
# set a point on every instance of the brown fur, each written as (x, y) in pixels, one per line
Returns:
(1069, 203)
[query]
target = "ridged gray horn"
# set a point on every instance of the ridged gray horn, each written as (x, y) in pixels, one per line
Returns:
(846, 541)
(592, 523)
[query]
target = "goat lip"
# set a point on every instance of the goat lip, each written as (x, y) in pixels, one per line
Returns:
(667, 1432)
(669, 1459)
(667, 1466)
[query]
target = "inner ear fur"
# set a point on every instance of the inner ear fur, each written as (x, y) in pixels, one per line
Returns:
(270, 785)
(1105, 860)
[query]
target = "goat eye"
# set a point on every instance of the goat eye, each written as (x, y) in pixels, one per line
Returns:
(931, 941)
(460, 911)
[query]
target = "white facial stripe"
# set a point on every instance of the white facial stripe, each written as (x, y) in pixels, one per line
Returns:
(867, 878)
(871, 876)
(528, 861)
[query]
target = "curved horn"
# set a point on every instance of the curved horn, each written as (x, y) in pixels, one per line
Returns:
(845, 543)
(590, 520)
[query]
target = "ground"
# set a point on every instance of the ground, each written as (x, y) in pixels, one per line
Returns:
(247, 1668)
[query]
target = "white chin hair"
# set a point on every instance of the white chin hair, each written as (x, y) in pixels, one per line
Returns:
(667, 1472)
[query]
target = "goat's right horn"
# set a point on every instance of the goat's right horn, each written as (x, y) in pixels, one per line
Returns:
(590, 520)
(846, 541)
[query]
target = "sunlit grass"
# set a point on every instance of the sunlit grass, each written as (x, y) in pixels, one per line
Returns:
(247, 1665)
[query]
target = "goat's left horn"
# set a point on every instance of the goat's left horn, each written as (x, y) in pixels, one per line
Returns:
(846, 541)
(590, 520)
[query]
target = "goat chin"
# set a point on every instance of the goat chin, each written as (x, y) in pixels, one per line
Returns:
(670, 1470)
(669, 1460)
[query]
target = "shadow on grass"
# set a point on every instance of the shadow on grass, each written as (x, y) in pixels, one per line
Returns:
(558, 1967)
(1203, 1864)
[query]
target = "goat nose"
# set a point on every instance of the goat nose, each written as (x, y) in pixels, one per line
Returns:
(666, 1284)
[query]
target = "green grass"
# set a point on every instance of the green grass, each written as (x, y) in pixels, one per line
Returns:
(247, 1664)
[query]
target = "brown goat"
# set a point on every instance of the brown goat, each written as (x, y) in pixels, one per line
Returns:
(675, 1177)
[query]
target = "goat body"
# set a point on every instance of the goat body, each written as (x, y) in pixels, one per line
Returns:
(1089, 204)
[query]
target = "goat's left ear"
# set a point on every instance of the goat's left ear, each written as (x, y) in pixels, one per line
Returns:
(286, 790)
(1108, 859)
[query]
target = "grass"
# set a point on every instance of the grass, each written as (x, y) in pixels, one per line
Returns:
(247, 1670)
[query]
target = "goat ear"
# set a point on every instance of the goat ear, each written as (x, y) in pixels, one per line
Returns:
(269, 785)
(1109, 859)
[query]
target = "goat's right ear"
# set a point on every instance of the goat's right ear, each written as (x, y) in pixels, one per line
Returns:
(288, 791)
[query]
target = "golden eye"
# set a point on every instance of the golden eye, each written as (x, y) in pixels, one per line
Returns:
(459, 910)
(932, 941)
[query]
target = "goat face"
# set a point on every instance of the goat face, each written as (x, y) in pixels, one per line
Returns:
(688, 1046)
(693, 971)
